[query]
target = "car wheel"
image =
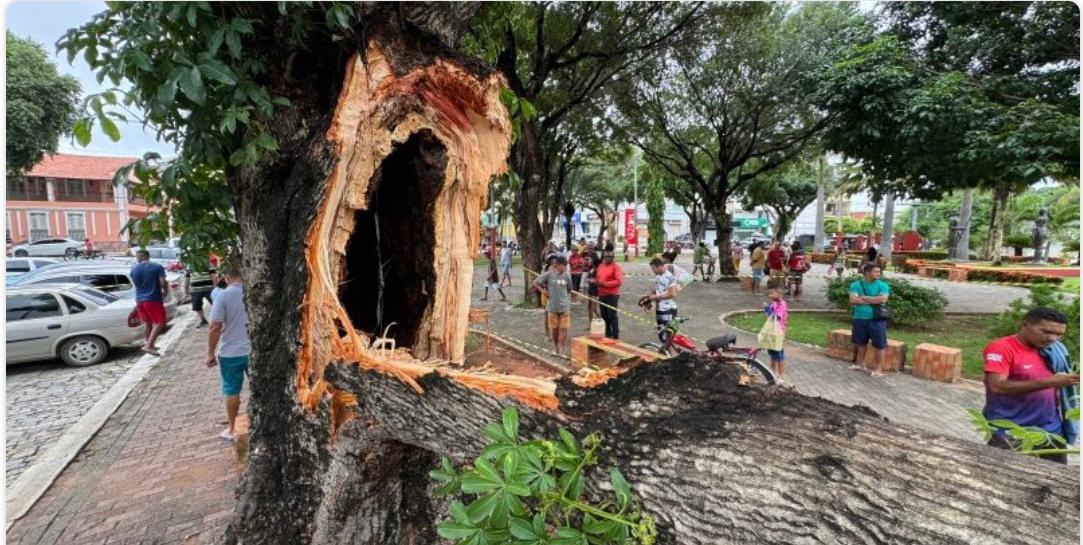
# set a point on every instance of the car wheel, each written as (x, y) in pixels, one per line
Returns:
(83, 351)
(22, 253)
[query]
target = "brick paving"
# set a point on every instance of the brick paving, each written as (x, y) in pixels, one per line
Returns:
(902, 398)
(45, 398)
(155, 473)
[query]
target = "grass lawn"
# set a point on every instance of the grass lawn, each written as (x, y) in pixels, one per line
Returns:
(966, 332)
(1070, 285)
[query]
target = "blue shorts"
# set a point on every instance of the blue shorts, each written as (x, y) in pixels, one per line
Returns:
(233, 371)
(777, 355)
(757, 274)
(865, 331)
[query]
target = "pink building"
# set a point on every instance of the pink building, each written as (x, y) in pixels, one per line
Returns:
(72, 196)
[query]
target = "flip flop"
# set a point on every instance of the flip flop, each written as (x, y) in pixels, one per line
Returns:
(152, 352)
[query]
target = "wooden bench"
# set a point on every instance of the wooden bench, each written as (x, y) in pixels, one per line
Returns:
(936, 362)
(840, 346)
(604, 353)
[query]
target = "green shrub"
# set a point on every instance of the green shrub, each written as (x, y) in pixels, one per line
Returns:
(929, 255)
(1013, 276)
(910, 305)
(1041, 296)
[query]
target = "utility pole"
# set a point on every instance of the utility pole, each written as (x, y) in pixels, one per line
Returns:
(635, 195)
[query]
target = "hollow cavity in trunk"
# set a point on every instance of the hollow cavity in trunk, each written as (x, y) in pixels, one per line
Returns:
(389, 276)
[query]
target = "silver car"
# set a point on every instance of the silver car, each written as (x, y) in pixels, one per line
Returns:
(111, 276)
(76, 323)
(46, 247)
(17, 266)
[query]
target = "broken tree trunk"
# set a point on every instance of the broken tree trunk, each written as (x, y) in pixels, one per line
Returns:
(369, 215)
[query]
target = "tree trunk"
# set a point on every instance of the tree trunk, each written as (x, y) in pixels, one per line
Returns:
(998, 217)
(821, 206)
(887, 241)
(783, 222)
(344, 431)
(724, 231)
(966, 207)
(529, 162)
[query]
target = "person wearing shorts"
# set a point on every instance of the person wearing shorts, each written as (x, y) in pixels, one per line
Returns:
(864, 293)
(757, 261)
(199, 288)
(556, 285)
(151, 288)
(229, 347)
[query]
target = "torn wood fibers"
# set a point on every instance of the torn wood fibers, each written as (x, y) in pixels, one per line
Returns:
(376, 111)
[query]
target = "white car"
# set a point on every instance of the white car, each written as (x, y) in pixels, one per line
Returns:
(74, 322)
(110, 276)
(16, 266)
(46, 247)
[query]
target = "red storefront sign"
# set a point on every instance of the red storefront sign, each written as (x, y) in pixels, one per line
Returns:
(631, 233)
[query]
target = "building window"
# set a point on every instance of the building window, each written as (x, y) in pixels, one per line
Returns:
(76, 226)
(75, 188)
(39, 225)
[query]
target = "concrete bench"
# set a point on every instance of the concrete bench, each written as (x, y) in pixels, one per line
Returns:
(605, 353)
(936, 362)
(840, 346)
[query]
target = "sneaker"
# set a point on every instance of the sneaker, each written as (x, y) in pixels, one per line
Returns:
(875, 374)
(226, 435)
(856, 367)
(202, 324)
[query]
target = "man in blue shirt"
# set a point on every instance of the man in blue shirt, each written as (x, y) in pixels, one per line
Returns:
(151, 288)
(864, 293)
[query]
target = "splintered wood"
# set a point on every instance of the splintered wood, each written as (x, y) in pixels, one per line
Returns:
(377, 110)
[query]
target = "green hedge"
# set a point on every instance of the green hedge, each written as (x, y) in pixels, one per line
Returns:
(1012, 276)
(910, 304)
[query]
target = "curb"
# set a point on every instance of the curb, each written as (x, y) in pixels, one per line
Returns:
(967, 383)
(36, 479)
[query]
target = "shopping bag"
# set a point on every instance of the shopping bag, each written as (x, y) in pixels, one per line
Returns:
(771, 336)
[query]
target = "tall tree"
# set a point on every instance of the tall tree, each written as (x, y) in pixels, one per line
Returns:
(785, 191)
(735, 103)
(559, 57)
(41, 104)
(656, 211)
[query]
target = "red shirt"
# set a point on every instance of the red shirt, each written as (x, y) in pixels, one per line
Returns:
(576, 263)
(610, 277)
(1009, 356)
(775, 259)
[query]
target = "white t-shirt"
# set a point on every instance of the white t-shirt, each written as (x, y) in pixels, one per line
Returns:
(229, 309)
(662, 283)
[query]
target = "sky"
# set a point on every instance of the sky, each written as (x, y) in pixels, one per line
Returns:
(45, 22)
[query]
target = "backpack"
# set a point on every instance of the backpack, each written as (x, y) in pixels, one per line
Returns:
(798, 263)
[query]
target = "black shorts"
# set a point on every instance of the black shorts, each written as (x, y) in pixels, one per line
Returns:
(197, 299)
(576, 279)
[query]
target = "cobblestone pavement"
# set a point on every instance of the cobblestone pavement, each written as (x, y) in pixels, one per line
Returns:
(45, 398)
(155, 473)
(902, 398)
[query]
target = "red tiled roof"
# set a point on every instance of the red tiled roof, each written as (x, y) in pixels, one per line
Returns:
(79, 167)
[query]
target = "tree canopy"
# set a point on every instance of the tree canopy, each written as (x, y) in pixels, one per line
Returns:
(41, 104)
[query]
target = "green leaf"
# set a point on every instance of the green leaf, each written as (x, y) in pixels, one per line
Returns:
(191, 84)
(215, 41)
(621, 487)
(281, 101)
(511, 422)
(522, 529)
(109, 128)
(142, 60)
(81, 130)
(266, 142)
(456, 530)
(218, 71)
(569, 441)
(167, 92)
(482, 508)
(233, 42)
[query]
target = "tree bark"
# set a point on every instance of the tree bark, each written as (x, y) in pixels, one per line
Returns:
(724, 231)
(966, 207)
(998, 217)
(821, 207)
(887, 241)
(529, 162)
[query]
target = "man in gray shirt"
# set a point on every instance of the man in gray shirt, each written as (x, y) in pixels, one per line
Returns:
(556, 283)
(228, 336)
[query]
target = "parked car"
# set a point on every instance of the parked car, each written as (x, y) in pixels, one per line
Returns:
(72, 322)
(110, 275)
(46, 247)
(18, 266)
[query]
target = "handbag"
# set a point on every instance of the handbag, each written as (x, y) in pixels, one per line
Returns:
(880, 312)
(771, 336)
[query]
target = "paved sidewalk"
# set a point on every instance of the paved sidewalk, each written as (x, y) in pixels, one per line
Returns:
(155, 473)
(900, 397)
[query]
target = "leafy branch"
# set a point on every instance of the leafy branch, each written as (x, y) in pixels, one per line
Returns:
(536, 495)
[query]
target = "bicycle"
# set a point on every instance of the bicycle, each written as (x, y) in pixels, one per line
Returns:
(80, 253)
(720, 348)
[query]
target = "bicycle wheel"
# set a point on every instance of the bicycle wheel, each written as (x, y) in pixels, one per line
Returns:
(759, 372)
(656, 348)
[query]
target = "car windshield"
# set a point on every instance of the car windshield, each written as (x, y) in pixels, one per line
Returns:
(97, 297)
